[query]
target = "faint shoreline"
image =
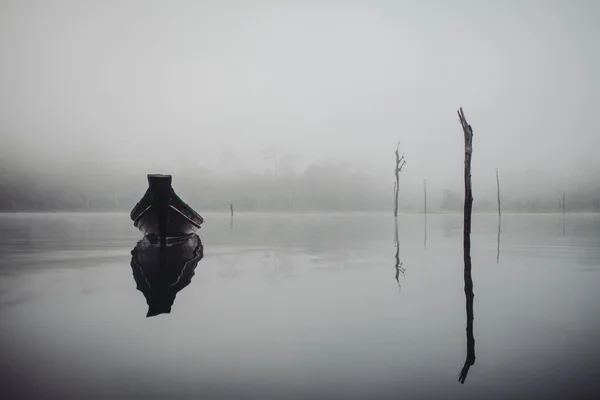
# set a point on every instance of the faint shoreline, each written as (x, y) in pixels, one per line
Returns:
(313, 212)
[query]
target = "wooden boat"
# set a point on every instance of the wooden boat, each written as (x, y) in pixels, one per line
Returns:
(160, 272)
(161, 214)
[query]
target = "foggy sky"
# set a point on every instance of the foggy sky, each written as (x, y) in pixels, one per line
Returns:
(157, 85)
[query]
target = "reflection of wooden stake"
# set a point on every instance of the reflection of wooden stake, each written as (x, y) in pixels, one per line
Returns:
(398, 264)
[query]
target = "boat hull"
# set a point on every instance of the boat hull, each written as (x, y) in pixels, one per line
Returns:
(161, 214)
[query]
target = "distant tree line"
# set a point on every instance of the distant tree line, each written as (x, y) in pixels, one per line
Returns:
(576, 201)
(323, 186)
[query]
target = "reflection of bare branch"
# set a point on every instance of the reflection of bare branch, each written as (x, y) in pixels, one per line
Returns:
(470, 338)
(498, 252)
(399, 269)
(399, 264)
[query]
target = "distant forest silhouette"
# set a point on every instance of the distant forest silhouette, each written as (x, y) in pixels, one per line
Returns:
(322, 187)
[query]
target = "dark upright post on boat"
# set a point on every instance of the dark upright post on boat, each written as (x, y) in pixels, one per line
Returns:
(468, 207)
(160, 188)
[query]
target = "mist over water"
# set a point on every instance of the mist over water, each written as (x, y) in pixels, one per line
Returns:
(95, 96)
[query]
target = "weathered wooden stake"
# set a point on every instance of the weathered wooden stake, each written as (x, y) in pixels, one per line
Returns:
(468, 208)
(425, 213)
(231, 208)
(399, 164)
(498, 185)
(116, 198)
(499, 217)
(425, 196)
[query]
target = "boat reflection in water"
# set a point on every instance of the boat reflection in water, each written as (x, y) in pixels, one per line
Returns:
(160, 272)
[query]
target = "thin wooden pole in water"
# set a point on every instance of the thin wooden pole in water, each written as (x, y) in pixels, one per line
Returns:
(564, 207)
(116, 198)
(395, 199)
(498, 185)
(468, 205)
(399, 164)
(425, 213)
(231, 208)
(559, 205)
(468, 208)
(425, 196)
(499, 217)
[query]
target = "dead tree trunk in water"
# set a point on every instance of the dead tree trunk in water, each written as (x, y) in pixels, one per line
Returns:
(468, 207)
(425, 196)
(499, 217)
(498, 185)
(399, 164)
(116, 198)
(425, 213)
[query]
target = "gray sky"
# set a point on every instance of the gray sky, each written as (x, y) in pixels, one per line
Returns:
(158, 84)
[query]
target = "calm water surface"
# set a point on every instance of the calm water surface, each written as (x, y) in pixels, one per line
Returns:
(303, 306)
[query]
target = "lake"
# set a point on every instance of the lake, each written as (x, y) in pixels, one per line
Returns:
(288, 306)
